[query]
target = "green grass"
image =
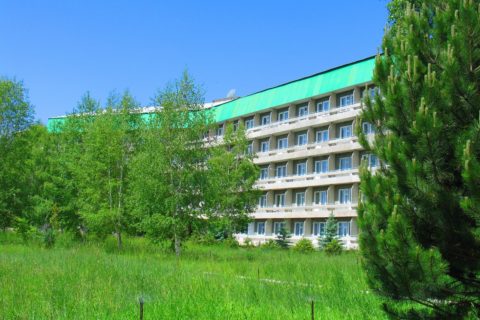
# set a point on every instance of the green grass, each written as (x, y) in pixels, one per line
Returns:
(95, 281)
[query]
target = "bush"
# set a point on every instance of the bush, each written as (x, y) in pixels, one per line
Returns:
(49, 237)
(270, 244)
(231, 242)
(334, 247)
(247, 243)
(304, 246)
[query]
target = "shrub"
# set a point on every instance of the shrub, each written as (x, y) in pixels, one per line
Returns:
(247, 243)
(270, 244)
(304, 246)
(231, 242)
(49, 237)
(334, 247)
(283, 238)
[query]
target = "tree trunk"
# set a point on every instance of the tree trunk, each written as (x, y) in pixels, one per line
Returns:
(178, 246)
(119, 240)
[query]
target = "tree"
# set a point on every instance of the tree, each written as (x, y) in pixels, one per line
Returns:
(16, 115)
(283, 238)
(330, 242)
(101, 168)
(231, 194)
(419, 219)
(169, 177)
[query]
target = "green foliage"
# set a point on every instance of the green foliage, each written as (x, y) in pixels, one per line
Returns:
(16, 116)
(420, 218)
(331, 232)
(49, 237)
(247, 243)
(213, 282)
(303, 246)
(270, 244)
(283, 238)
(334, 247)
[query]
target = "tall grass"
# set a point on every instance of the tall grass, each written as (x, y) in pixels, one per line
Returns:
(96, 281)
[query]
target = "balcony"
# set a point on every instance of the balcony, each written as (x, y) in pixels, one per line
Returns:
(311, 211)
(308, 150)
(310, 180)
(310, 120)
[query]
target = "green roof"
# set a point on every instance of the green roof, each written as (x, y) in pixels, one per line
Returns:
(331, 80)
(345, 76)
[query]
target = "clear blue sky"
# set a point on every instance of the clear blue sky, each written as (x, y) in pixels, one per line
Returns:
(61, 49)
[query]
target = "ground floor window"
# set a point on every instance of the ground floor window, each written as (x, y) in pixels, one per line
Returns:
(260, 228)
(318, 229)
(298, 228)
(343, 229)
(277, 226)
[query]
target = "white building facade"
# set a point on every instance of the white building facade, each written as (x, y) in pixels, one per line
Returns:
(303, 134)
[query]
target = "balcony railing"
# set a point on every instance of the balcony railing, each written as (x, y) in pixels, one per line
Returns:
(308, 177)
(311, 116)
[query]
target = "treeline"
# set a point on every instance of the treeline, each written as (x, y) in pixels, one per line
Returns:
(114, 170)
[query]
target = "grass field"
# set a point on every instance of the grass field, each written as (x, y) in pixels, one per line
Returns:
(95, 281)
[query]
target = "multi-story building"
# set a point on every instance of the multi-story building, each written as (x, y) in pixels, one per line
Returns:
(303, 135)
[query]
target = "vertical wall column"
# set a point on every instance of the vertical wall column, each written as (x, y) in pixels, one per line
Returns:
(355, 193)
(288, 197)
(290, 168)
(268, 227)
(331, 132)
(331, 162)
(256, 120)
(271, 170)
(307, 227)
(273, 142)
(353, 227)
(311, 135)
(273, 116)
(292, 111)
(309, 196)
(333, 101)
(270, 198)
(311, 106)
(291, 139)
(356, 94)
(355, 159)
(331, 195)
(255, 145)
(310, 165)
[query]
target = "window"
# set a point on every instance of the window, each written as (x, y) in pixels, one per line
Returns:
(302, 111)
(235, 125)
(346, 100)
(249, 123)
(280, 199)
(367, 128)
(263, 173)
(345, 132)
(320, 197)
(343, 229)
(298, 229)
(282, 143)
(323, 105)
(250, 147)
(220, 130)
(371, 159)
(301, 168)
(345, 163)
(371, 92)
(261, 228)
(321, 135)
(262, 202)
(282, 115)
(264, 145)
(321, 166)
(318, 229)
(301, 139)
(265, 119)
(277, 226)
(281, 171)
(345, 195)
(300, 199)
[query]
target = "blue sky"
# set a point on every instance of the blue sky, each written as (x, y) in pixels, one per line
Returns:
(61, 49)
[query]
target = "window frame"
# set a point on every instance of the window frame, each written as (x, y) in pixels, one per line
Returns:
(341, 198)
(349, 131)
(302, 228)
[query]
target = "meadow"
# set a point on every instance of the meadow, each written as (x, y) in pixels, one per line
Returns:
(95, 280)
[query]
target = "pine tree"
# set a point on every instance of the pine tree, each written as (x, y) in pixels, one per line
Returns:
(331, 231)
(419, 220)
(283, 238)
